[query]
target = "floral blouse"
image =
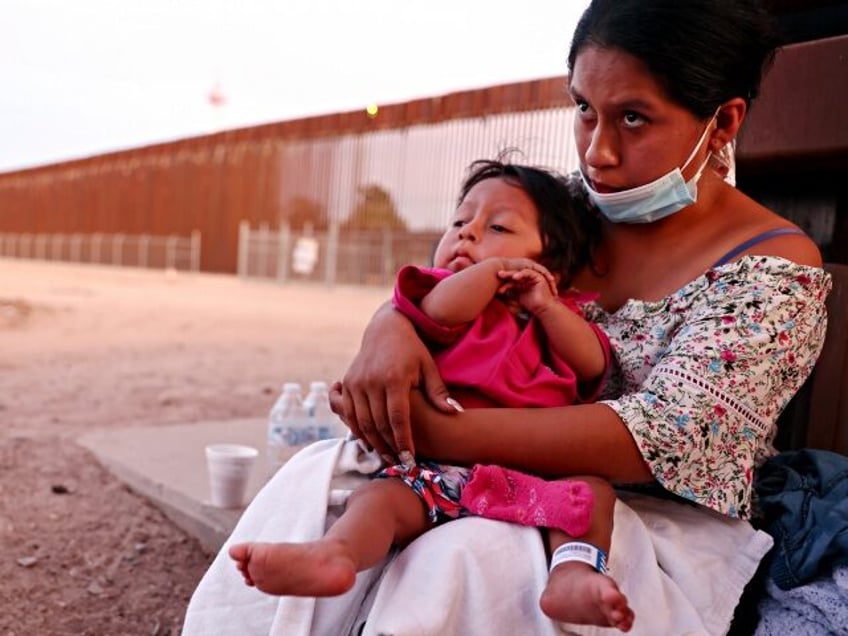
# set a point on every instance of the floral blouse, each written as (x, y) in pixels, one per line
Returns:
(703, 374)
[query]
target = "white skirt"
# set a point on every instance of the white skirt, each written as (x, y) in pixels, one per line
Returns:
(682, 568)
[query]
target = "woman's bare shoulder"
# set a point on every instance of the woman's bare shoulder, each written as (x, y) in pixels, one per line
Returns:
(756, 221)
(798, 248)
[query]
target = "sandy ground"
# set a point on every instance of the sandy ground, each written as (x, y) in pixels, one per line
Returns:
(87, 347)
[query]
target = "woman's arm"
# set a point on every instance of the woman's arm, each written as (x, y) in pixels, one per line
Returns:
(584, 439)
(373, 398)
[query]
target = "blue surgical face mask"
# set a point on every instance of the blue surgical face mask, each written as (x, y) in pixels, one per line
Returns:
(651, 201)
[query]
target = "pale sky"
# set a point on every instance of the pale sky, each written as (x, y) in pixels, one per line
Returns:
(84, 77)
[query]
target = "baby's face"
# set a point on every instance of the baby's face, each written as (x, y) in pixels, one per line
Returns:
(496, 219)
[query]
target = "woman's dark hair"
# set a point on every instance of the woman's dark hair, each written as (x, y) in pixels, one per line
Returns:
(703, 52)
(565, 223)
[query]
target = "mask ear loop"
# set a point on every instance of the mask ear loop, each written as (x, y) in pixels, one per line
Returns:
(698, 146)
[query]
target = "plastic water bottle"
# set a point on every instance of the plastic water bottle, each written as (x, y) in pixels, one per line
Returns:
(317, 403)
(289, 427)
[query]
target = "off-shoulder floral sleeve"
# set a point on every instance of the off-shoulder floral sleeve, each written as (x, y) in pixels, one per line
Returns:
(704, 373)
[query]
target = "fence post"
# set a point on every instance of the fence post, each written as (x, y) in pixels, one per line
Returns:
(243, 248)
(96, 240)
(56, 242)
(171, 252)
(283, 251)
(195, 250)
(386, 252)
(118, 249)
(40, 246)
(332, 256)
(263, 251)
(26, 245)
(75, 248)
(143, 250)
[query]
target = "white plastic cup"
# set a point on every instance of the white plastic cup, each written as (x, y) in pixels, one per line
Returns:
(229, 467)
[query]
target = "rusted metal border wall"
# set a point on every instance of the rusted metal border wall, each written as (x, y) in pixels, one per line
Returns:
(322, 170)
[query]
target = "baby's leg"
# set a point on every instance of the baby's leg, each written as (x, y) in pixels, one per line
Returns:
(577, 592)
(382, 513)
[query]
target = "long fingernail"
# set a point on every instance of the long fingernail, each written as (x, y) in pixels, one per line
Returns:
(406, 459)
(456, 406)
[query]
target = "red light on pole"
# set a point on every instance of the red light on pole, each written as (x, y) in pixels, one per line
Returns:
(216, 96)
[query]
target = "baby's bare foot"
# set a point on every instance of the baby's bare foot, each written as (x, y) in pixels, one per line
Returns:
(317, 568)
(577, 593)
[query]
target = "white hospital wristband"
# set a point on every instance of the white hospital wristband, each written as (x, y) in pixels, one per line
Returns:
(582, 552)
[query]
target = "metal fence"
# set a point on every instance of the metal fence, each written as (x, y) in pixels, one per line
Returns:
(316, 170)
(331, 257)
(143, 250)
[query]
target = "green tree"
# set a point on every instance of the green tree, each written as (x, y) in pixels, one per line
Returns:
(375, 210)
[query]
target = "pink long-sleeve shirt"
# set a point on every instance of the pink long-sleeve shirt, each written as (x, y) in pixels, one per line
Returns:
(494, 360)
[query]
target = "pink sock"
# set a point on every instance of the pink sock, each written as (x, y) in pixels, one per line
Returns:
(508, 495)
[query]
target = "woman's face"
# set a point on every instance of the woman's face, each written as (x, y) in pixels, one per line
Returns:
(496, 219)
(628, 131)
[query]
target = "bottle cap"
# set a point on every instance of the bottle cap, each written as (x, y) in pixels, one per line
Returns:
(291, 387)
(318, 385)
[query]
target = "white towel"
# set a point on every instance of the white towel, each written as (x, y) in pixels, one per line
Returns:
(682, 568)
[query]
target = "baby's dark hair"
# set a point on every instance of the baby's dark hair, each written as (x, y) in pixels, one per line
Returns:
(565, 223)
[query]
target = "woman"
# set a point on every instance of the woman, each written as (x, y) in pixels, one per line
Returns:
(715, 309)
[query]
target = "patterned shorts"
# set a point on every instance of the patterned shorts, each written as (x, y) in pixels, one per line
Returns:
(438, 485)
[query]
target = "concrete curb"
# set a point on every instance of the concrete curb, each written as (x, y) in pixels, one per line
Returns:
(167, 465)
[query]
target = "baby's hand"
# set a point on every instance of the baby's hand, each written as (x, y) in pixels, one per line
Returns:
(532, 283)
(517, 264)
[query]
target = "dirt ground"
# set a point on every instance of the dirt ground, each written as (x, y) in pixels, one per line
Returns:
(86, 347)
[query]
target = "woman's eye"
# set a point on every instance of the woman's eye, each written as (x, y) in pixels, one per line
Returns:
(458, 223)
(632, 119)
(499, 228)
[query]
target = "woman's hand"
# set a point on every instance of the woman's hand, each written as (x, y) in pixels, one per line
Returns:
(435, 434)
(373, 397)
